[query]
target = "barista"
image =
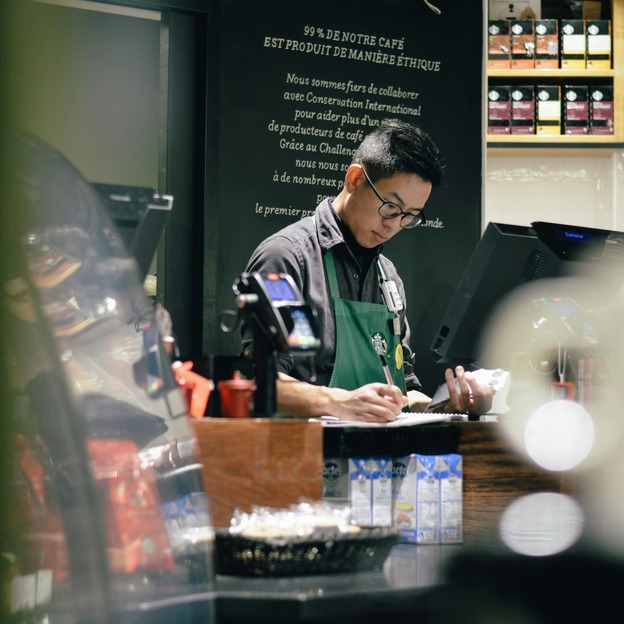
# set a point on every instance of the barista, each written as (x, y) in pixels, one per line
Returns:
(335, 258)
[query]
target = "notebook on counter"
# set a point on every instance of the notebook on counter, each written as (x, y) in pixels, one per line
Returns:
(405, 419)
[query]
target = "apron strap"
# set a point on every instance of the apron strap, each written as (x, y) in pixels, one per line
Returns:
(331, 269)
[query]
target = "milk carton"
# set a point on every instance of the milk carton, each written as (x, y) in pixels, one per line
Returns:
(370, 491)
(417, 499)
(360, 490)
(450, 474)
(381, 491)
(335, 478)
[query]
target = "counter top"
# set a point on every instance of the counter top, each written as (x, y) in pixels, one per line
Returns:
(433, 584)
(398, 587)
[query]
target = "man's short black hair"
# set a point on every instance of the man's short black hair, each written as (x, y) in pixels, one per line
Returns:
(397, 146)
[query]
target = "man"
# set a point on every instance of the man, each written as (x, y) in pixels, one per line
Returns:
(335, 259)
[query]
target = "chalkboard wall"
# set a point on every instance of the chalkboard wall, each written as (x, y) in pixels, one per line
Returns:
(300, 85)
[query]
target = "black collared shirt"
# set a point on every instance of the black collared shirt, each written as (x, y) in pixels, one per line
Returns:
(298, 250)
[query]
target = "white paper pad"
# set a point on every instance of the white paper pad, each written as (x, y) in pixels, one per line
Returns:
(405, 419)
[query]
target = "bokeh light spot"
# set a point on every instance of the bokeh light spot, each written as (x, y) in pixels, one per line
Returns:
(559, 435)
(541, 524)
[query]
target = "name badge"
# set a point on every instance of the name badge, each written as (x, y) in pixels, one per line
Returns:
(391, 296)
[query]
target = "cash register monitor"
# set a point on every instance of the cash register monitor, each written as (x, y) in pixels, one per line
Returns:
(507, 257)
(140, 215)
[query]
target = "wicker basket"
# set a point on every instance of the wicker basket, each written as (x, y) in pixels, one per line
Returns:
(320, 554)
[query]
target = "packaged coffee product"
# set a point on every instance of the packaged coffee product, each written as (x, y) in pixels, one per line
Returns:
(499, 44)
(548, 109)
(598, 34)
(601, 109)
(575, 109)
(573, 44)
(546, 44)
(522, 44)
(499, 110)
(522, 110)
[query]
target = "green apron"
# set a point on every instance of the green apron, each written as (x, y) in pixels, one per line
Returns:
(359, 326)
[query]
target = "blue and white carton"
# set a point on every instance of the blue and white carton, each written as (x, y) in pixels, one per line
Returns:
(427, 498)
(451, 508)
(360, 490)
(416, 509)
(335, 478)
(381, 492)
(370, 491)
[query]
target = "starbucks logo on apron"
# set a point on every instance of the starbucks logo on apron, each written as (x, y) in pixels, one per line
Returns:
(380, 344)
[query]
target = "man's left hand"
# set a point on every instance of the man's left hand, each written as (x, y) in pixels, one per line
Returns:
(472, 397)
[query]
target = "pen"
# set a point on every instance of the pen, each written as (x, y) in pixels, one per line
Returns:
(386, 370)
(379, 349)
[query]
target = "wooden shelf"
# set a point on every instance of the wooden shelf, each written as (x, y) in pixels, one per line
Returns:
(554, 150)
(555, 139)
(551, 73)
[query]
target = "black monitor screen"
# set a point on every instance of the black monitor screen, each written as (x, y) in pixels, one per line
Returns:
(507, 257)
(573, 242)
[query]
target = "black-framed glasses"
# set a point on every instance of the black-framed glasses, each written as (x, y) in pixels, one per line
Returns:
(389, 210)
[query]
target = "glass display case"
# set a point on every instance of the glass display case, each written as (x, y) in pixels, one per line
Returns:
(107, 520)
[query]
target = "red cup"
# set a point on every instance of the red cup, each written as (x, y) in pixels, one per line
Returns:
(236, 397)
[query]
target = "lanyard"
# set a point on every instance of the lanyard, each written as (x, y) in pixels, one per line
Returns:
(392, 298)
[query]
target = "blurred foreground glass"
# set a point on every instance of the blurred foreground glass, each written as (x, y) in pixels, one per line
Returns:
(581, 435)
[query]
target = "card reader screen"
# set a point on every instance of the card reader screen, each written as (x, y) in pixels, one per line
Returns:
(279, 289)
(302, 336)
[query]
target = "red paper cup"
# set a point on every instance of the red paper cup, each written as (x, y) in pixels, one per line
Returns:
(236, 397)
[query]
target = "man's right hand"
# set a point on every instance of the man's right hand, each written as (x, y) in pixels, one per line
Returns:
(373, 402)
